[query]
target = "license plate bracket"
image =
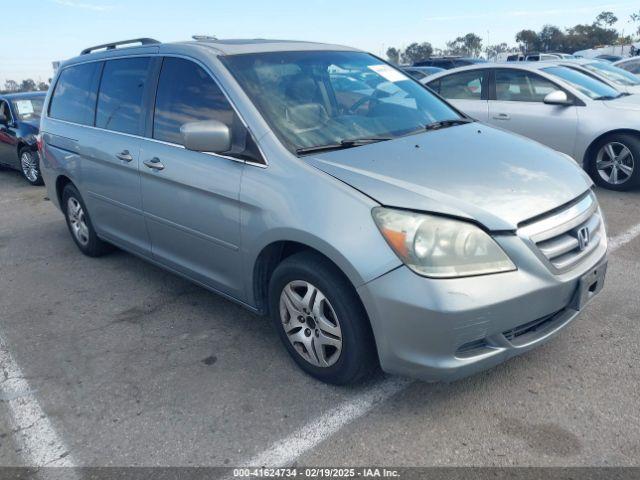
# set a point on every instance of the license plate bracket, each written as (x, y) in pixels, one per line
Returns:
(589, 285)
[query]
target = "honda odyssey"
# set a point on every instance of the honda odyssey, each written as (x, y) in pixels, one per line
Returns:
(376, 227)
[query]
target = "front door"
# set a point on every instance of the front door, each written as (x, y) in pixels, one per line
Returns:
(519, 107)
(8, 140)
(190, 199)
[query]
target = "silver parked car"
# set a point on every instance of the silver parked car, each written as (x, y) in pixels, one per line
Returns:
(376, 228)
(606, 72)
(631, 64)
(566, 109)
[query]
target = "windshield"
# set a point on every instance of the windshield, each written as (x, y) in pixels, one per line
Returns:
(28, 108)
(592, 88)
(314, 99)
(613, 73)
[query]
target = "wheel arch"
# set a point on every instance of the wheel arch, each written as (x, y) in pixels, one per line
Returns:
(61, 182)
(274, 253)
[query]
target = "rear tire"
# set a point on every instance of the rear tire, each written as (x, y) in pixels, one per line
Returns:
(324, 328)
(30, 166)
(79, 224)
(614, 162)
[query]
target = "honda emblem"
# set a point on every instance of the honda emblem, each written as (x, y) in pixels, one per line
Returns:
(583, 238)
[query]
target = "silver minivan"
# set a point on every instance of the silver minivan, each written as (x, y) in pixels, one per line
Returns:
(376, 226)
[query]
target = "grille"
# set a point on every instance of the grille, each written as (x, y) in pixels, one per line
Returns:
(530, 327)
(567, 237)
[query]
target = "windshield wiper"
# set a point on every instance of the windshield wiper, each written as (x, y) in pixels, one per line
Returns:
(447, 123)
(354, 142)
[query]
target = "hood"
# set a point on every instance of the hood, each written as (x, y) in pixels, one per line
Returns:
(470, 171)
(628, 102)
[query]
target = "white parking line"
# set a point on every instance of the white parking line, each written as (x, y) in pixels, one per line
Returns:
(285, 451)
(620, 240)
(41, 446)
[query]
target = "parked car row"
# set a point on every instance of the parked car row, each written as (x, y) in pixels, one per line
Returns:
(377, 224)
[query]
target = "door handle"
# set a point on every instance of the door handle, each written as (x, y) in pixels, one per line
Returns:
(154, 163)
(502, 116)
(125, 156)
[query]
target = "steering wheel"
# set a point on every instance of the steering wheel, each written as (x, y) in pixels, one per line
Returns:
(374, 97)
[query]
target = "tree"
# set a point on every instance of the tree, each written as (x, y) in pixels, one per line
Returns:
(635, 18)
(470, 45)
(493, 51)
(583, 37)
(416, 52)
(393, 55)
(528, 40)
(43, 86)
(606, 19)
(11, 86)
(28, 85)
(551, 38)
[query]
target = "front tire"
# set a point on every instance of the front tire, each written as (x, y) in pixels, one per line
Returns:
(79, 224)
(30, 166)
(321, 321)
(615, 162)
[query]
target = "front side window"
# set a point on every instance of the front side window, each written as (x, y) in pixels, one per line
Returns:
(187, 93)
(463, 86)
(74, 97)
(613, 74)
(121, 94)
(592, 88)
(302, 97)
(521, 86)
(28, 108)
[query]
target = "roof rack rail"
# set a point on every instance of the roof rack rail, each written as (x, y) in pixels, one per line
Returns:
(113, 45)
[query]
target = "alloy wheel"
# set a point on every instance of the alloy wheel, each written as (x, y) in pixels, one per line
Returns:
(310, 323)
(77, 220)
(29, 164)
(615, 163)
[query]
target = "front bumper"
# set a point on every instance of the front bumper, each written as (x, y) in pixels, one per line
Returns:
(442, 330)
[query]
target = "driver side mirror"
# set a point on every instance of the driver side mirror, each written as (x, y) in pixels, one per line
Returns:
(209, 136)
(557, 97)
(3, 119)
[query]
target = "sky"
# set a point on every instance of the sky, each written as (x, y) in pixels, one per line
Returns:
(64, 27)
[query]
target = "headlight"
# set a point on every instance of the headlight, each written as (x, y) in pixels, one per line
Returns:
(440, 247)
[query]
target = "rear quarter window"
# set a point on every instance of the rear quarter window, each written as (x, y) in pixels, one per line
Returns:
(74, 97)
